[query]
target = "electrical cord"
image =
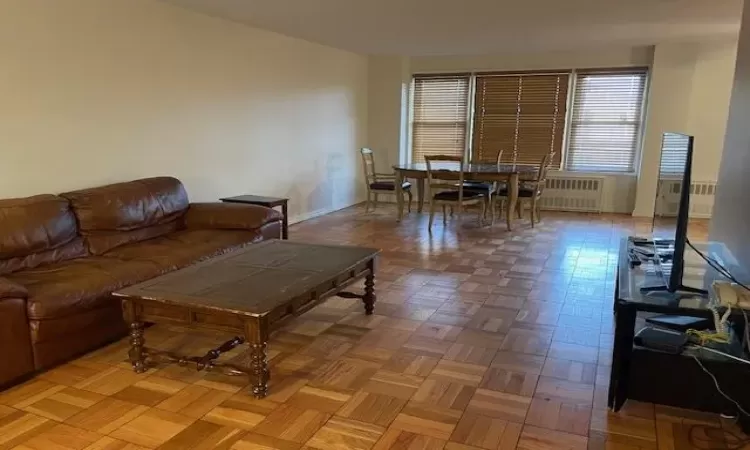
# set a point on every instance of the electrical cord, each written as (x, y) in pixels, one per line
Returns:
(723, 271)
(738, 442)
(718, 388)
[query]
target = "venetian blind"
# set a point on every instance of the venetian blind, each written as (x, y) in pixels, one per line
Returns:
(521, 113)
(440, 113)
(674, 150)
(606, 121)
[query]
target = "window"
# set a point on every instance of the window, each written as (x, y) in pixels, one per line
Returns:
(440, 111)
(674, 150)
(606, 121)
(522, 114)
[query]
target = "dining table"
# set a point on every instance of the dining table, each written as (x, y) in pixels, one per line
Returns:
(512, 174)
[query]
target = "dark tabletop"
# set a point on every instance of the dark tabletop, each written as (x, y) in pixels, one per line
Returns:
(253, 199)
(254, 280)
(472, 168)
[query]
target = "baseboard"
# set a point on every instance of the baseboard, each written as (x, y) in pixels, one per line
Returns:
(319, 212)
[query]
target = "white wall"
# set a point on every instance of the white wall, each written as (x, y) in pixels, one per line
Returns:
(731, 217)
(93, 92)
(689, 92)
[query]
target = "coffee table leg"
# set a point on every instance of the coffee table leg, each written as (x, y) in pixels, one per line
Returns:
(369, 297)
(137, 356)
(256, 334)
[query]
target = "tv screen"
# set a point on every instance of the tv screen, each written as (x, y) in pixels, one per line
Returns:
(672, 206)
(674, 151)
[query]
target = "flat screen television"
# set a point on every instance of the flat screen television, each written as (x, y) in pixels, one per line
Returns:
(671, 210)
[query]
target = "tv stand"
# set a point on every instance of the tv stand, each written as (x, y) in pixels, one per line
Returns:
(681, 292)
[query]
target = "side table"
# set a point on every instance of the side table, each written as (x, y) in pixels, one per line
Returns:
(268, 202)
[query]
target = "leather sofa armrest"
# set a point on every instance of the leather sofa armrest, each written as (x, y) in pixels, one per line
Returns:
(11, 289)
(229, 216)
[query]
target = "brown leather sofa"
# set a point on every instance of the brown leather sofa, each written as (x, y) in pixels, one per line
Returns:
(62, 256)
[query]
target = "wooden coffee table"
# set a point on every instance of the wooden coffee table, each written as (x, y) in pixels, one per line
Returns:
(250, 291)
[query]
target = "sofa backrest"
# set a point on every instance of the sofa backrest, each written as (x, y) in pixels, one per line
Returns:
(37, 230)
(121, 213)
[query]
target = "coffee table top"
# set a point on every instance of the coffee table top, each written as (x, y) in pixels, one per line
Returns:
(254, 280)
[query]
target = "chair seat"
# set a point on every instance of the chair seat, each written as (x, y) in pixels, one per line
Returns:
(522, 192)
(478, 186)
(453, 195)
(389, 186)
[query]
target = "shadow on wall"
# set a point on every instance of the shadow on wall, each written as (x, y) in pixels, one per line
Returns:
(330, 189)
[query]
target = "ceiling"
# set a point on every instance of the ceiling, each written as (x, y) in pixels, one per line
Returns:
(464, 27)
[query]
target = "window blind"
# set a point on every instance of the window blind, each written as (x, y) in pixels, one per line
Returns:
(440, 110)
(606, 121)
(674, 150)
(522, 113)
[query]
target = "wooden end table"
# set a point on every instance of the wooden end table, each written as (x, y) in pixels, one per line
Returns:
(249, 291)
(268, 202)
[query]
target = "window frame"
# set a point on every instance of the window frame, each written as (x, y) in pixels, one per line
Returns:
(638, 152)
(568, 122)
(411, 115)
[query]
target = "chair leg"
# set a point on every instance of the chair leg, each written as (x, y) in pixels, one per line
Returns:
(408, 193)
(459, 213)
(445, 217)
(375, 201)
(369, 201)
(519, 208)
(538, 211)
(483, 213)
(533, 212)
(432, 215)
(451, 209)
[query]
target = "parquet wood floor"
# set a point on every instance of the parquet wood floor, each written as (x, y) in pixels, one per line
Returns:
(481, 339)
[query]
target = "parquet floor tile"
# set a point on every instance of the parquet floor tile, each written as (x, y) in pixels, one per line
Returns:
(292, 424)
(152, 428)
(107, 415)
(241, 411)
(444, 394)
(499, 379)
(499, 405)
(534, 438)
(204, 435)
(457, 372)
(486, 432)
(399, 439)
(63, 404)
(345, 434)
(379, 409)
(63, 437)
(481, 340)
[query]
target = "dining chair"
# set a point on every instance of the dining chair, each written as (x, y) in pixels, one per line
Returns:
(446, 188)
(530, 191)
(380, 183)
(488, 189)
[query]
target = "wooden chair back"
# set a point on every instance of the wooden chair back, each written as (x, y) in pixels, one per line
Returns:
(368, 163)
(442, 179)
(541, 176)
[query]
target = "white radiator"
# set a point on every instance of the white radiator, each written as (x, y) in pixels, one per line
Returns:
(573, 194)
(701, 198)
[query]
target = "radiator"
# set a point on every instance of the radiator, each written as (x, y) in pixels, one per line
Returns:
(573, 194)
(701, 198)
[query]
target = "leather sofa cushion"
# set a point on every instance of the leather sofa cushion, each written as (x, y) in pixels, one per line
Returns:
(35, 226)
(149, 203)
(100, 242)
(70, 287)
(129, 206)
(71, 250)
(182, 248)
